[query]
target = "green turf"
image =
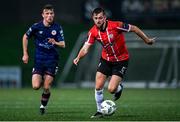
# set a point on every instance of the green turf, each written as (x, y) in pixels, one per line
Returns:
(75, 105)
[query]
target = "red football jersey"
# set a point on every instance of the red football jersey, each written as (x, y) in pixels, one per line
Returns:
(112, 40)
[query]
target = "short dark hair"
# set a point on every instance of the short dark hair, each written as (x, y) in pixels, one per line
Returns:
(98, 10)
(48, 6)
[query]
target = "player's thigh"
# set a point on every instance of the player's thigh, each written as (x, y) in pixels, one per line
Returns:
(100, 80)
(51, 68)
(113, 83)
(48, 79)
(104, 67)
(36, 81)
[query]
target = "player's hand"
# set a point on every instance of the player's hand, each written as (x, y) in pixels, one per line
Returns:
(76, 60)
(52, 41)
(151, 41)
(25, 58)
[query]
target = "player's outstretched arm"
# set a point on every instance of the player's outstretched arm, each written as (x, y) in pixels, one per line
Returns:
(83, 51)
(142, 35)
(25, 57)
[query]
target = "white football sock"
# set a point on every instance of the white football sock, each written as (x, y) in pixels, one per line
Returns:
(99, 98)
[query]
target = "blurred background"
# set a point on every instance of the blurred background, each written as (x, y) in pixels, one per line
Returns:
(154, 66)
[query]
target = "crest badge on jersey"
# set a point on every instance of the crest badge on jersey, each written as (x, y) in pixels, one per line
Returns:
(110, 36)
(40, 32)
(53, 32)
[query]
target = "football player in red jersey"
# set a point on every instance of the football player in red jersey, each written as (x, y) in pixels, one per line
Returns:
(114, 58)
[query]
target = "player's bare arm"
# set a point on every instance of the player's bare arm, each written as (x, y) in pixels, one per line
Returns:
(25, 57)
(60, 44)
(142, 35)
(84, 50)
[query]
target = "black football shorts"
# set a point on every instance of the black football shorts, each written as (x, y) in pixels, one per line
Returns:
(112, 68)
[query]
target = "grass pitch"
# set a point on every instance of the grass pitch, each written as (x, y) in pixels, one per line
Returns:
(79, 105)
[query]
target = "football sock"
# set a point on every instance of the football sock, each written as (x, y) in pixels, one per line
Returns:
(99, 98)
(45, 98)
(118, 88)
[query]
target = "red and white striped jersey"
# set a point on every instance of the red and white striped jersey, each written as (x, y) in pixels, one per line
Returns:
(112, 40)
